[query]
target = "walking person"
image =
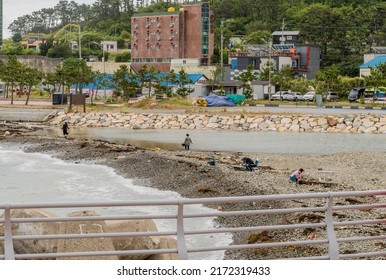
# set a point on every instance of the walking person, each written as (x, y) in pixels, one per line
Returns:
(296, 176)
(65, 129)
(187, 142)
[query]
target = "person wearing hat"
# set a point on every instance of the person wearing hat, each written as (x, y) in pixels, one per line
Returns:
(187, 142)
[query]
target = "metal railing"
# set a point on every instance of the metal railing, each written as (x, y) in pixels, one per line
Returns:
(322, 218)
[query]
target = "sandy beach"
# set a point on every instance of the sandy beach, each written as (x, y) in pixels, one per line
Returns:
(188, 173)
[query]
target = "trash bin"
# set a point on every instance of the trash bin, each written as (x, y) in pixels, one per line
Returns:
(57, 98)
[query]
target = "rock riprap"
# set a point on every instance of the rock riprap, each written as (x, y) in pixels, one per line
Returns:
(352, 123)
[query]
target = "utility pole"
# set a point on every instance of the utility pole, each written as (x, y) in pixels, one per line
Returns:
(222, 50)
(104, 68)
(80, 45)
(222, 44)
(269, 71)
(282, 40)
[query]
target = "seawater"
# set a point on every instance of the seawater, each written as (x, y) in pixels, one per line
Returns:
(36, 177)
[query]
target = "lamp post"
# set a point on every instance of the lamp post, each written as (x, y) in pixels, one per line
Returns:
(80, 45)
(222, 44)
(269, 71)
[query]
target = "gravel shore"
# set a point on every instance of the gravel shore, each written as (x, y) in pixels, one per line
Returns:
(188, 173)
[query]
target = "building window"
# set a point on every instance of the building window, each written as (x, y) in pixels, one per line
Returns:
(148, 36)
(148, 46)
(158, 22)
(158, 35)
(135, 23)
(172, 21)
(205, 29)
(172, 46)
(148, 22)
(289, 37)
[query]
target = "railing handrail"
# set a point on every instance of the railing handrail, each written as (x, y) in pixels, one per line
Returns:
(180, 216)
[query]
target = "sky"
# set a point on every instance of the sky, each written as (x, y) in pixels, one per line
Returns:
(12, 9)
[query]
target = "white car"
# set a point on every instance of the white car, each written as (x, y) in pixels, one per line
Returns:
(293, 96)
(278, 95)
(309, 96)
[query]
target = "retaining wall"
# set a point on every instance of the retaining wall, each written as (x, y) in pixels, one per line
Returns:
(353, 123)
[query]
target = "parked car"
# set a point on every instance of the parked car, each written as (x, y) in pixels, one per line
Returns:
(309, 96)
(330, 96)
(355, 94)
(293, 96)
(278, 95)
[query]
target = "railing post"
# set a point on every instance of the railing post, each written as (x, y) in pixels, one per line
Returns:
(333, 249)
(8, 242)
(181, 242)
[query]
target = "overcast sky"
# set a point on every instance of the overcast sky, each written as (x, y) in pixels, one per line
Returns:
(12, 9)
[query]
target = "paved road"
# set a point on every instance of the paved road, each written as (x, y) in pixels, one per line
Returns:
(37, 110)
(25, 114)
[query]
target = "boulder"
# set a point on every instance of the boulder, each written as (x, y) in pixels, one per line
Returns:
(134, 243)
(332, 122)
(33, 246)
(85, 244)
(165, 243)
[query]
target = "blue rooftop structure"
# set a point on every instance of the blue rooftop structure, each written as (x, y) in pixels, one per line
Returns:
(374, 62)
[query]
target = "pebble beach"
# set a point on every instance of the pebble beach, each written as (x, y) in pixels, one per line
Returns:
(188, 173)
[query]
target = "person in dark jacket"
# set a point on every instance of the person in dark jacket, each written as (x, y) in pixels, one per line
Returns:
(249, 164)
(187, 142)
(65, 129)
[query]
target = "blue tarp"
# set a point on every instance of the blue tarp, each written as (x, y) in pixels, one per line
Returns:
(213, 100)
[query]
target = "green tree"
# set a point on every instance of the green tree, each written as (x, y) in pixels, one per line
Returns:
(283, 77)
(216, 78)
(60, 51)
(31, 76)
(123, 57)
(11, 74)
(247, 78)
(377, 76)
(171, 78)
(17, 37)
(319, 24)
(183, 82)
(328, 78)
(50, 80)
(146, 76)
(125, 81)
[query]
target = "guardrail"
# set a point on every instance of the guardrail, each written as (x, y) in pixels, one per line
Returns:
(326, 240)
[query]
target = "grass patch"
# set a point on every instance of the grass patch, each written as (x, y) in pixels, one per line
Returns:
(167, 103)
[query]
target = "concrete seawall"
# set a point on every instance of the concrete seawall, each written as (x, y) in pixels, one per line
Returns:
(351, 123)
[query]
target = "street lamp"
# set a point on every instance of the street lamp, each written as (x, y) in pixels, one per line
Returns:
(80, 45)
(222, 44)
(269, 71)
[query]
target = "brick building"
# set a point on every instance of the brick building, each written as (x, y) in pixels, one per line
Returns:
(157, 38)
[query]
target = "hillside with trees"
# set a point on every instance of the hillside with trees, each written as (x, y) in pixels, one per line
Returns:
(344, 29)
